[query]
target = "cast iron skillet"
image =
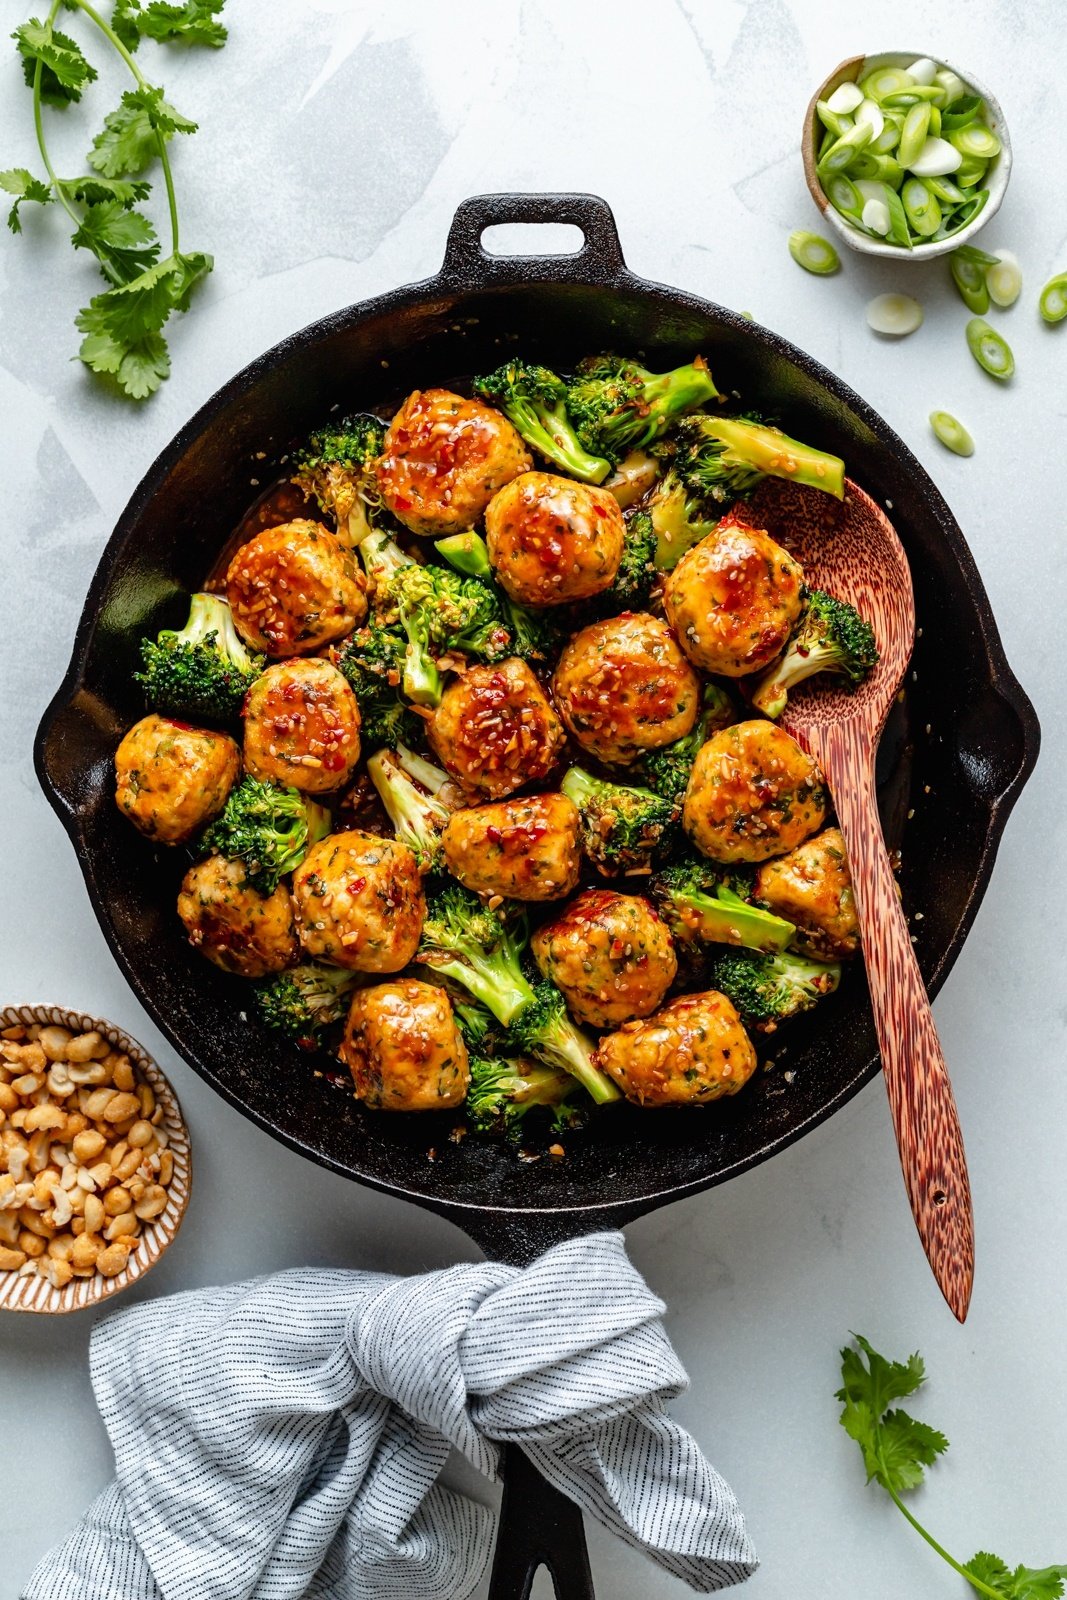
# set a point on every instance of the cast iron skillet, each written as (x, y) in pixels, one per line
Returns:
(956, 756)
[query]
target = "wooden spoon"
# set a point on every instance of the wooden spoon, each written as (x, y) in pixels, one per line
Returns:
(851, 549)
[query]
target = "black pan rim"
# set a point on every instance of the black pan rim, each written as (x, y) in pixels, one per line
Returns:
(998, 675)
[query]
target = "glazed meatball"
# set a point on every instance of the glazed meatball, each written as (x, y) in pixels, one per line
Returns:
(294, 589)
(694, 1050)
(495, 730)
(812, 888)
(733, 599)
(359, 902)
(231, 923)
(403, 1048)
(171, 779)
(610, 955)
(552, 540)
(524, 849)
(753, 793)
(623, 687)
(443, 460)
(302, 726)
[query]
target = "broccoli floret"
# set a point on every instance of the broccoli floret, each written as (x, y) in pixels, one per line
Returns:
(768, 989)
(480, 950)
(668, 770)
(502, 1092)
(636, 576)
(535, 401)
(617, 405)
(477, 1025)
(201, 672)
(304, 1001)
(409, 787)
(680, 519)
(441, 611)
(532, 636)
(700, 903)
(724, 458)
(831, 636)
(372, 659)
(336, 468)
(269, 827)
(383, 560)
(621, 826)
(544, 1028)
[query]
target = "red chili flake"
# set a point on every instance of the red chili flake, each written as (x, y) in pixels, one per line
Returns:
(356, 885)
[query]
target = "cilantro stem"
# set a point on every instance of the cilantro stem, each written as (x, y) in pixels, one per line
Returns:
(142, 83)
(38, 123)
(975, 1583)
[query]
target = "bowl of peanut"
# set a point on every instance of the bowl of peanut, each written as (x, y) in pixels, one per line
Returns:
(94, 1160)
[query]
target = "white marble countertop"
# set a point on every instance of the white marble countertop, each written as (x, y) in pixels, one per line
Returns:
(686, 118)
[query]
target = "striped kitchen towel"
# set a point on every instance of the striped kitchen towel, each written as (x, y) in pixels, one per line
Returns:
(285, 1437)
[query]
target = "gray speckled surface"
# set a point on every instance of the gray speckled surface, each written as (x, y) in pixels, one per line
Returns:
(685, 117)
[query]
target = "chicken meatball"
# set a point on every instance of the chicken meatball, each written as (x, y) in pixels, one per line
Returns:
(524, 849)
(359, 902)
(552, 540)
(812, 888)
(294, 589)
(171, 779)
(495, 730)
(302, 726)
(623, 687)
(610, 954)
(753, 793)
(443, 460)
(403, 1048)
(694, 1050)
(231, 923)
(733, 599)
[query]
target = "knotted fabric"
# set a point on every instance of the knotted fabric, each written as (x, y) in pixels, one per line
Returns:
(285, 1437)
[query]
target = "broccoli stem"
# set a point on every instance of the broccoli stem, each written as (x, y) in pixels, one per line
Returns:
(753, 444)
(467, 553)
(423, 683)
(553, 437)
(563, 1046)
(725, 919)
(497, 982)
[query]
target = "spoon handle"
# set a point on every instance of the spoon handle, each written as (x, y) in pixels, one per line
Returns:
(921, 1101)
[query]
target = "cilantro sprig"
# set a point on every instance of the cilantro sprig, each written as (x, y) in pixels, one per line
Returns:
(123, 326)
(897, 1449)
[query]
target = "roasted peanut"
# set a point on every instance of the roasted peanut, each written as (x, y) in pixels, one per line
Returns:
(98, 1101)
(53, 1041)
(87, 1247)
(87, 1047)
(62, 1248)
(45, 1116)
(8, 1098)
(121, 1072)
(116, 1200)
(153, 1202)
(128, 1166)
(31, 1244)
(26, 1084)
(88, 1145)
(141, 1134)
(94, 1213)
(101, 1174)
(121, 1106)
(112, 1261)
(166, 1167)
(57, 1272)
(125, 1224)
(11, 1260)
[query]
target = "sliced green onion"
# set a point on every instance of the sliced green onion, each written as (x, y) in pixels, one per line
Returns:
(992, 353)
(963, 216)
(834, 122)
(936, 159)
(842, 150)
(946, 190)
(961, 113)
(1004, 280)
(970, 172)
(923, 71)
(844, 196)
(935, 122)
(870, 111)
(887, 140)
(885, 81)
(865, 165)
(845, 98)
(876, 217)
(913, 135)
(951, 83)
(953, 434)
(980, 258)
(897, 314)
(1053, 301)
(915, 95)
(975, 140)
(899, 231)
(813, 253)
(921, 207)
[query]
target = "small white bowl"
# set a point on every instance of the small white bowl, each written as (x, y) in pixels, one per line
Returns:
(33, 1293)
(996, 177)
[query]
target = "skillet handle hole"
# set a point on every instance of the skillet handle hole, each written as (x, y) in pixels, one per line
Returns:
(532, 239)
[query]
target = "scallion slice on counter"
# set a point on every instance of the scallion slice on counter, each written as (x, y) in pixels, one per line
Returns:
(1004, 279)
(990, 350)
(813, 253)
(897, 314)
(968, 267)
(1053, 301)
(952, 433)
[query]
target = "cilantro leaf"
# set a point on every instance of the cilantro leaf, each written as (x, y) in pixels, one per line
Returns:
(64, 69)
(138, 367)
(905, 1448)
(124, 242)
(124, 19)
(191, 23)
(130, 139)
(1025, 1583)
(25, 187)
(92, 188)
(122, 326)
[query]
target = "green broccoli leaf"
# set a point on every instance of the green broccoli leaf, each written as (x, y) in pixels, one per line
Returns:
(130, 139)
(124, 242)
(64, 69)
(195, 22)
(25, 187)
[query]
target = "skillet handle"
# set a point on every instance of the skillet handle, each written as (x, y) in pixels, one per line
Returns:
(539, 1527)
(468, 264)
